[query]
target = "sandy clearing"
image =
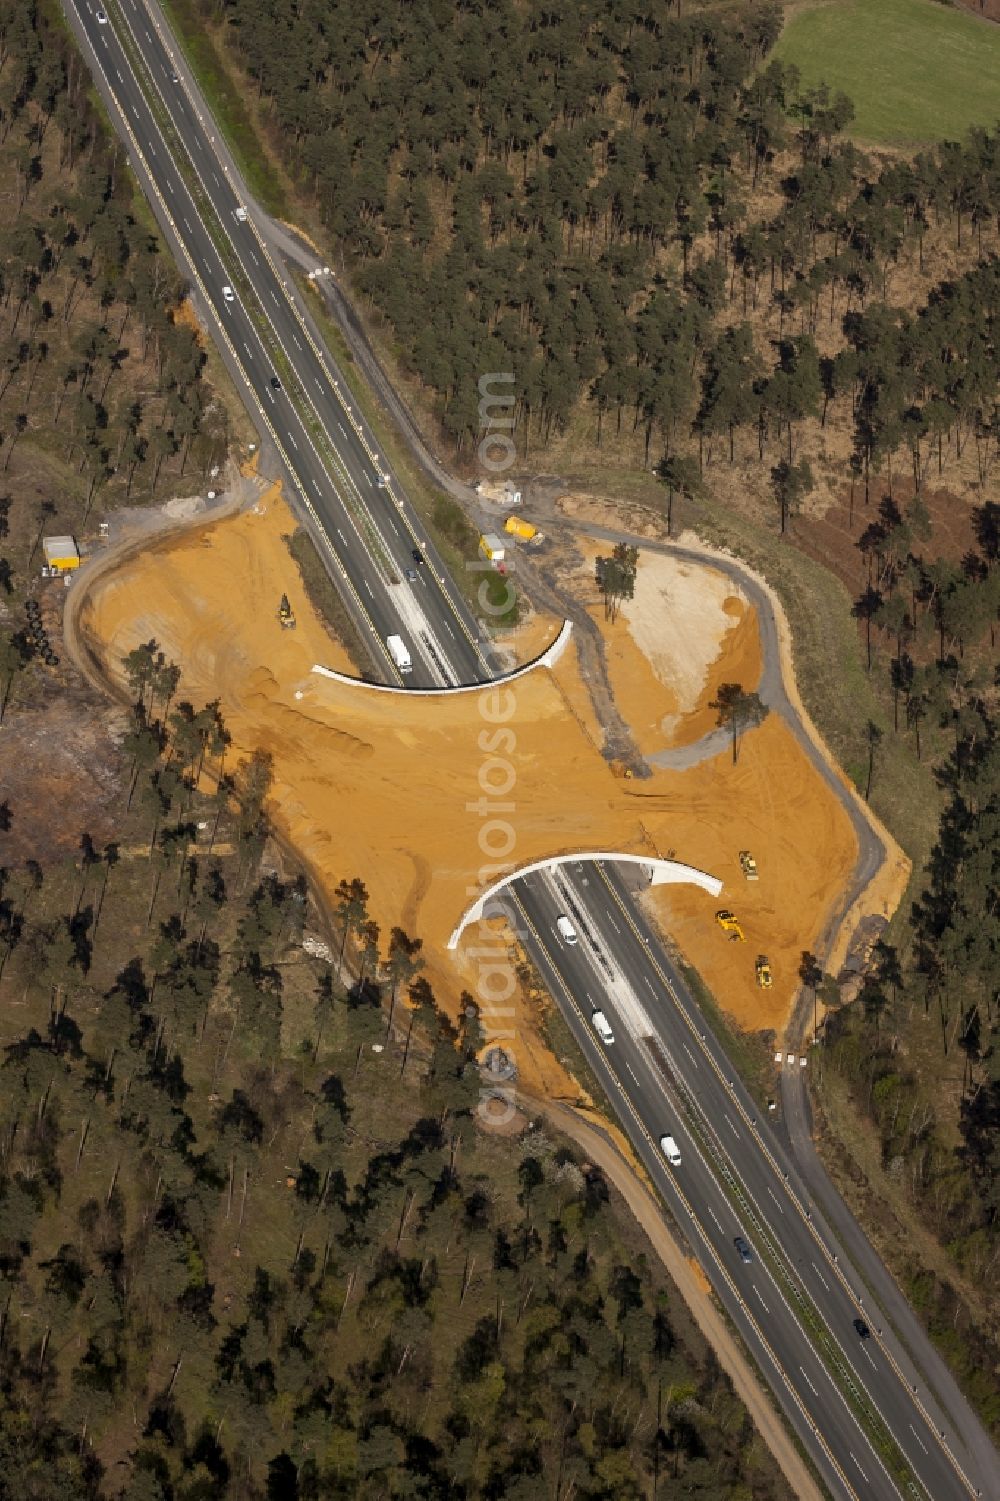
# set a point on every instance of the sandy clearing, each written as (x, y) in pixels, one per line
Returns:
(738, 660)
(390, 788)
(775, 804)
(643, 699)
(886, 890)
(678, 619)
(687, 630)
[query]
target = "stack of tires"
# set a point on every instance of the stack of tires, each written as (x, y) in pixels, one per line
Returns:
(38, 636)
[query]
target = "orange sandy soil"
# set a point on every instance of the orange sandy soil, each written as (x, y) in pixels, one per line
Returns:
(774, 804)
(186, 315)
(530, 636)
(379, 785)
(687, 630)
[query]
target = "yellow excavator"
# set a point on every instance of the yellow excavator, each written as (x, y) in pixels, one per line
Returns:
(730, 923)
(286, 614)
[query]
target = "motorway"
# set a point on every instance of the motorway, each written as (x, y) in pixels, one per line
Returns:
(670, 1075)
(329, 452)
(795, 1302)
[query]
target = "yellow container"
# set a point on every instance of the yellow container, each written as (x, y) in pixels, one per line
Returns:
(61, 553)
(519, 528)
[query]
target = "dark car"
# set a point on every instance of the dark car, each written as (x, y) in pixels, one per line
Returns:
(861, 1329)
(275, 383)
(417, 555)
(745, 1253)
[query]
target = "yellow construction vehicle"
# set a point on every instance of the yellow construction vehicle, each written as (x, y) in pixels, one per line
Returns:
(748, 865)
(763, 969)
(728, 921)
(519, 528)
(286, 614)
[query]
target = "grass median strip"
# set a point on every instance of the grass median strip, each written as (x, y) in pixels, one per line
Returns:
(454, 535)
(325, 598)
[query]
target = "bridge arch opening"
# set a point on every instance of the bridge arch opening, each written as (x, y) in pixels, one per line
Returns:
(549, 657)
(661, 873)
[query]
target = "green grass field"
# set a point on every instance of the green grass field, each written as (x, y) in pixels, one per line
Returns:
(916, 70)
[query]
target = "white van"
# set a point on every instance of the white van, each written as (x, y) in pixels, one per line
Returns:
(228, 293)
(241, 214)
(565, 929)
(670, 1150)
(602, 1027)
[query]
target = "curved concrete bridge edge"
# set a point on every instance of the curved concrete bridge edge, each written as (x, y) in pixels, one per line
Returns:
(549, 657)
(662, 873)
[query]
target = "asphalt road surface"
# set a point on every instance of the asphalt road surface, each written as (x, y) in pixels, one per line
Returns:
(796, 1300)
(274, 351)
(669, 1076)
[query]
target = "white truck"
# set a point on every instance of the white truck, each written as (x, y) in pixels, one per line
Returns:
(399, 653)
(603, 1028)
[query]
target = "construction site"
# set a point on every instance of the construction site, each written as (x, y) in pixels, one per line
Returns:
(386, 786)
